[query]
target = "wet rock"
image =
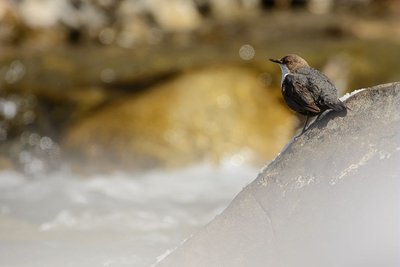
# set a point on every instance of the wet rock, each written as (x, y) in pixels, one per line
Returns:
(212, 113)
(329, 199)
(25, 143)
(34, 154)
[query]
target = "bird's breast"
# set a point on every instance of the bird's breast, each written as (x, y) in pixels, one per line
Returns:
(285, 71)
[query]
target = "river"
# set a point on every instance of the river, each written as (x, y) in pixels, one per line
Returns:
(117, 219)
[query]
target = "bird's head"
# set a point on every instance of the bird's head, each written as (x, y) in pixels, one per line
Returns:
(292, 62)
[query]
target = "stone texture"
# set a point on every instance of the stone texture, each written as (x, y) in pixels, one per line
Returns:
(331, 198)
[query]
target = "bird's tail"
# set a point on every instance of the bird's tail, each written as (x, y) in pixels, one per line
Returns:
(338, 106)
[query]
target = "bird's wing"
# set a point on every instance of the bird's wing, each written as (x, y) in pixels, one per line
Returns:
(299, 93)
(327, 92)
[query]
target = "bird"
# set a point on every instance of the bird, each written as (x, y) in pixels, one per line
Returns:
(306, 90)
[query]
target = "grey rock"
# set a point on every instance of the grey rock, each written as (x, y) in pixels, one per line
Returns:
(331, 198)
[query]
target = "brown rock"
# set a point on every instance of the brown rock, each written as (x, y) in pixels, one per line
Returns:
(208, 113)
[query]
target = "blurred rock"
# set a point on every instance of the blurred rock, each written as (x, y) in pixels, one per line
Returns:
(133, 23)
(320, 6)
(217, 113)
(10, 24)
(24, 142)
(175, 15)
(234, 9)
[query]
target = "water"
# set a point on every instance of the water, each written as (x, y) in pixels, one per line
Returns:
(109, 220)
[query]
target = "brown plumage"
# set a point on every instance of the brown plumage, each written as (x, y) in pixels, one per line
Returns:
(306, 90)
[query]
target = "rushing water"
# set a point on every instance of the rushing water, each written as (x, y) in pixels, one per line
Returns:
(109, 220)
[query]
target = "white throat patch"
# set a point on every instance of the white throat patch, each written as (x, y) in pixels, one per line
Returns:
(285, 71)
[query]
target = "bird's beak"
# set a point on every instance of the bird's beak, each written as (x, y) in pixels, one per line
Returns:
(276, 60)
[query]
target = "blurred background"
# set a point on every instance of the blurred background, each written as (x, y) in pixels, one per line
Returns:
(126, 125)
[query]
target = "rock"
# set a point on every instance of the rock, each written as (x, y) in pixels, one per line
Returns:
(329, 199)
(11, 27)
(210, 113)
(231, 10)
(175, 15)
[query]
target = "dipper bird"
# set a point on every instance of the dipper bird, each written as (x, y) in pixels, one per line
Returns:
(306, 90)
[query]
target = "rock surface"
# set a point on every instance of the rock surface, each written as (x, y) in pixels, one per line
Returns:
(331, 198)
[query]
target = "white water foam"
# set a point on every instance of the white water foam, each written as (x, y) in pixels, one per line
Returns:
(109, 220)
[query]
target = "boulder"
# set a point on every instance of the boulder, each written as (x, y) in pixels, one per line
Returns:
(204, 114)
(330, 198)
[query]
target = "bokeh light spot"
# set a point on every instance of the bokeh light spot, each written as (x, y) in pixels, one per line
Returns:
(246, 52)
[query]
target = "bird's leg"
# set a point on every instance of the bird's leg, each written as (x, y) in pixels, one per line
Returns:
(305, 124)
(319, 115)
